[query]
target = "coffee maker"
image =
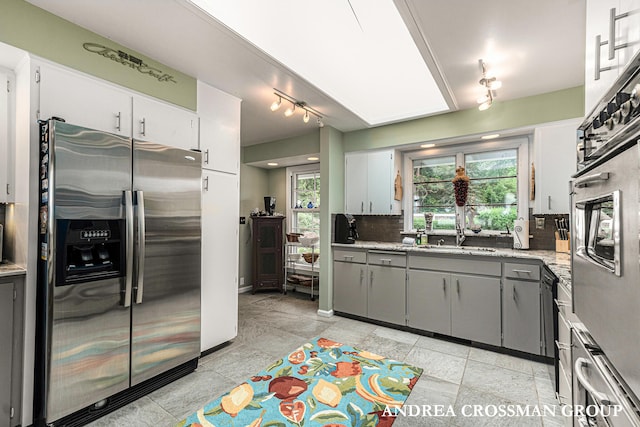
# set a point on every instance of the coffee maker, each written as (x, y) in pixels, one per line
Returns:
(345, 229)
(269, 204)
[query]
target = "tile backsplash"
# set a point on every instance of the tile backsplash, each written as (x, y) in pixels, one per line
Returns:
(389, 228)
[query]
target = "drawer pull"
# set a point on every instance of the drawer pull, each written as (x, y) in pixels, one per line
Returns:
(561, 399)
(383, 260)
(561, 303)
(350, 257)
(521, 271)
(562, 346)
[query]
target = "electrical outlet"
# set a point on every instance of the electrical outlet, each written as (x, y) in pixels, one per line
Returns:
(243, 220)
(539, 223)
(242, 281)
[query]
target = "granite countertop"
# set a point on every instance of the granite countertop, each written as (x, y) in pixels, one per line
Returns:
(558, 263)
(10, 269)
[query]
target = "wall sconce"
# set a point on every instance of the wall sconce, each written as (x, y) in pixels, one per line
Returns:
(490, 84)
(295, 103)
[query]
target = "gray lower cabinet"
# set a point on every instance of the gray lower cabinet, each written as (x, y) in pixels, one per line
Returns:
(429, 301)
(386, 299)
(350, 287)
(521, 315)
(11, 297)
(475, 308)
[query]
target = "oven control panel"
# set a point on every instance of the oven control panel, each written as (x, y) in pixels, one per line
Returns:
(616, 119)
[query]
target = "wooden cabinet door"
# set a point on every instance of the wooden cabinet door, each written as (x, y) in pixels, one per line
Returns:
(6, 351)
(380, 182)
(475, 308)
(355, 180)
(165, 124)
(598, 25)
(350, 288)
(219, 129)
(521, 315)
(387, 300)
(83, 101)
(220, 211)
(429, 301)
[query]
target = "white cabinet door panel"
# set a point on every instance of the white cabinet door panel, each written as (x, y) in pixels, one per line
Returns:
(219, 129)
(220, 212)
(355, 177)
(380, 182)
(83, 101)
(164, 124)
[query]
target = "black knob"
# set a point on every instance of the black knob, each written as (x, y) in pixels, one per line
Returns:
(622, 97)
(612, 107)
(597, 123)
(603, 116)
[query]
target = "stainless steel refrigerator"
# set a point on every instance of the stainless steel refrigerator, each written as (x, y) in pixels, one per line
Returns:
(119, 272)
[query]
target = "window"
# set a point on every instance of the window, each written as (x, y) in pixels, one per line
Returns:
(303, 187)
(496, 195)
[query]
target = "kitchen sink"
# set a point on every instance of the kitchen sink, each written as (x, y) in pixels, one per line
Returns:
(448, 248)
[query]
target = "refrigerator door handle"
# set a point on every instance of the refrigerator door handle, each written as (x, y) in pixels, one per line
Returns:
(141, 247)
(128, 205)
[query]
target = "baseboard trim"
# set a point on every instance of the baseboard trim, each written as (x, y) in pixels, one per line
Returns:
(325, 313)
(245, 289)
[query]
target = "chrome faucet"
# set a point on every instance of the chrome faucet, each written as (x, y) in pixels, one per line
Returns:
(440, 242)
(459, 232)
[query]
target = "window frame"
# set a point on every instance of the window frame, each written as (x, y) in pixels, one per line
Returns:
(521, 143)
(291, 172)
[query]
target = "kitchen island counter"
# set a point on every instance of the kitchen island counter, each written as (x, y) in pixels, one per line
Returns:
(10, 269)
(558, 263)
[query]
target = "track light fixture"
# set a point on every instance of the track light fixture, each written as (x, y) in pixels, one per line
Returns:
(295, 104)
(490, 84)
(276, 104)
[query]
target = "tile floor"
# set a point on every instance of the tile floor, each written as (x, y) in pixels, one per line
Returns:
(271, 325)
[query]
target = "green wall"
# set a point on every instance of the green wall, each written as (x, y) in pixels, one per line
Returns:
(254, 185)
(290, 147)
(278, 188)
(35, 30)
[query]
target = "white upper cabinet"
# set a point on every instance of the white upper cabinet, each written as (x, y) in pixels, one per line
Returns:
(5, 137)
(83, 101)
(369, 183)
(219, 129)
(604, 58)
(555, 162)
(164, 123)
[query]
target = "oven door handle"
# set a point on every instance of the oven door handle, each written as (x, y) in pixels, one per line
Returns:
(599, 397)
(589, 179)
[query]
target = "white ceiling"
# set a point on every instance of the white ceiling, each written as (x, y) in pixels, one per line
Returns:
(533, 47)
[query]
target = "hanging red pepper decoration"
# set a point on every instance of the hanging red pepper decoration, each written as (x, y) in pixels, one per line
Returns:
(460, 186)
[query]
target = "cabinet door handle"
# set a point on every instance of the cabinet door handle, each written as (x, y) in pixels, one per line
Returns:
(371, 278)
(361, 207)
(458, 286)
(444, 285)
(118, 117)
(370, 207)
(206, 183)
(143, 127)
(513, 287)
(549, 202)
(597, 68)
(562, 346)
(612, 32)
(361, 276)
(561, 303)
(206, 156)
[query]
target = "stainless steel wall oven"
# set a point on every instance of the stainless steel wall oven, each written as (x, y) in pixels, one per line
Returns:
(606, 227)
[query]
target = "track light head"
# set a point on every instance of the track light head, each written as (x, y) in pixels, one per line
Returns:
(276, 104)
(289, 111)
(305, 118)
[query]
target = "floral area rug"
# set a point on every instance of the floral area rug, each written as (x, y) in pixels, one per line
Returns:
(322, 383)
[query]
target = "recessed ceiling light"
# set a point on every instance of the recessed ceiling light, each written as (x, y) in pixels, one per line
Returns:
(492, 136)
(312, 158)
(372, 36)
(272, 164)
(428, 145)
